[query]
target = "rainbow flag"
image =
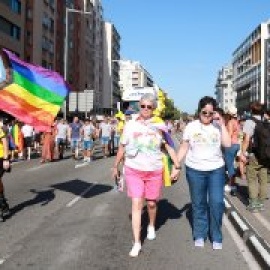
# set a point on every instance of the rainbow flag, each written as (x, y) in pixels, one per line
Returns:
(35, 94)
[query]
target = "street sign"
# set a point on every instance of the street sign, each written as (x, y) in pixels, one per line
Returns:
(81, 101)
(72, 101)
(86, 101)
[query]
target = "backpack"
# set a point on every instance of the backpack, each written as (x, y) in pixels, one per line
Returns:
(261, 141)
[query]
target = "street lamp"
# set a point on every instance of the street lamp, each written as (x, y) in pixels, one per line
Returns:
(118, 103)
(66, 46)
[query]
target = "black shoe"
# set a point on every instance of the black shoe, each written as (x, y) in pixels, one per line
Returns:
(4, 208)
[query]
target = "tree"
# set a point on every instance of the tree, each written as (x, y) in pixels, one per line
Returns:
(170, 112)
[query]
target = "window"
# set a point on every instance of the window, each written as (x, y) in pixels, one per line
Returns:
(9, 28)
(3, 74)
(51, 25)
(44, 63)
(16, 6)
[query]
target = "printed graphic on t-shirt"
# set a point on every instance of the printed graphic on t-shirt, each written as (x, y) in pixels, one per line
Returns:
(210, 140)
(146, 142)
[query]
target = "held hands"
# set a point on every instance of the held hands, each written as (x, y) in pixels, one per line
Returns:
(175, 174)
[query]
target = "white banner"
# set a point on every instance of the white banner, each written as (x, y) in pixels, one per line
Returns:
(135, 94)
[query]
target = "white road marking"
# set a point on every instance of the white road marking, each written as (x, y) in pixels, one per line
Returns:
(263, 221)
(38, 167)
(260, 248)
(81, 165)
(239, 221)
(248, 257)
(76, 199)
(2, 261)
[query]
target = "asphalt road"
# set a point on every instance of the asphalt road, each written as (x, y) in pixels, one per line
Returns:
(72, 218)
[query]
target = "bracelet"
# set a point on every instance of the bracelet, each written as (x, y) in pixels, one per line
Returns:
(177, 167)
(5, 159)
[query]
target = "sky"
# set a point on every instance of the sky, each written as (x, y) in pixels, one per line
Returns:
(184, 43)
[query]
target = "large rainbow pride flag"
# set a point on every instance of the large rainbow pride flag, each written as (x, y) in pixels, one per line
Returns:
(34, 95)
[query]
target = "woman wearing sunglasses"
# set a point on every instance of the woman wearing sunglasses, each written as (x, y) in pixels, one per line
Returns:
(205, 173)
(141, 146)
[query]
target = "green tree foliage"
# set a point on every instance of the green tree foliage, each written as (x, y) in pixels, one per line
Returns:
(171, 112)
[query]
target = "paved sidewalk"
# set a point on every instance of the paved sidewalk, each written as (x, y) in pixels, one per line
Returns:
(258, 223)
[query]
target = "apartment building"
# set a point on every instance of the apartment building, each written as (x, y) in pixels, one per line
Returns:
(250, 68)
(40, 32)
(225, 94)
(12, 23)
(133, 74)
(111, 91)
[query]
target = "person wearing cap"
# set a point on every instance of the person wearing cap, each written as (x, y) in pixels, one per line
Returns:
(230, 153)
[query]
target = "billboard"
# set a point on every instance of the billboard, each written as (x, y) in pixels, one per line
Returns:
(135, 93)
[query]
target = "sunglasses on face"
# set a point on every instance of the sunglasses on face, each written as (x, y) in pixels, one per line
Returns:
(149, 107)
(207, 113)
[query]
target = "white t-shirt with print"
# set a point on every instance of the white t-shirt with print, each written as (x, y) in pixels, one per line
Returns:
(106, 129)
(204, 152)
(142, 146)
(27, 131)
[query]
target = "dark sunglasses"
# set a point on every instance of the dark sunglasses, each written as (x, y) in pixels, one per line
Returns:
(207, 113)
(149, 107)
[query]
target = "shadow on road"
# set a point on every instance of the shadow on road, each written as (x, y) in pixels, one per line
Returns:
(78, 187)
(166, 211)
(41, 197)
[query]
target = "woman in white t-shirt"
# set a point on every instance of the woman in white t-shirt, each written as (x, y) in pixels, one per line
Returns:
(141, 146)
(205, 172)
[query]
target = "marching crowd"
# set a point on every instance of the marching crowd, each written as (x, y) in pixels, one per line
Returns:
(215, 148)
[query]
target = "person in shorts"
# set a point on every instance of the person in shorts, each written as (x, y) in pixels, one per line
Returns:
(141, 145)
(106, 131)
(75, 136)
(88, 133)
(61, 137)
(28, 133)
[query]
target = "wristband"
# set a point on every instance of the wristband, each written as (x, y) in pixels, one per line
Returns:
(177, 167)
(5, 159)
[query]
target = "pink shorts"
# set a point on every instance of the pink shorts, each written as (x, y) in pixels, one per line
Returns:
(141, 184)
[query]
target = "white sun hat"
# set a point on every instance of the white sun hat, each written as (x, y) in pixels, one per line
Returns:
(232, 110)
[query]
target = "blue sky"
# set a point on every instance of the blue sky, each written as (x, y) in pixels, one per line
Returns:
(183, 43)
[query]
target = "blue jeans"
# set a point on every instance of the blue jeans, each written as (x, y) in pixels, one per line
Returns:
(74, 143)
(207, 198)
(116, 140)
(229, 156)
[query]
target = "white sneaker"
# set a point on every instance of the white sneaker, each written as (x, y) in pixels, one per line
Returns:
(135, 251)
(227, 188)
(199, 242)
(217, 246)
(151, 233)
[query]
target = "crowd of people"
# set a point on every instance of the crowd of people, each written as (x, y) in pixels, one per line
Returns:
(215, 148)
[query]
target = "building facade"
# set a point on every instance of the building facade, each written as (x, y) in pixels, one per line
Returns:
(250, 68)
(225, 94)
(133, 74)
(12, 24)
(111, 57)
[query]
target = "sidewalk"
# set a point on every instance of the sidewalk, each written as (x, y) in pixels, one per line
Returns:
(254, 228)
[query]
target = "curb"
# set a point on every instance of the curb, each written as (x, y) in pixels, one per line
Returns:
(256, 244)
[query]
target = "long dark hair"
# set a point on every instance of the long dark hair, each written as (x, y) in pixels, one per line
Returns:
(206, 100)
